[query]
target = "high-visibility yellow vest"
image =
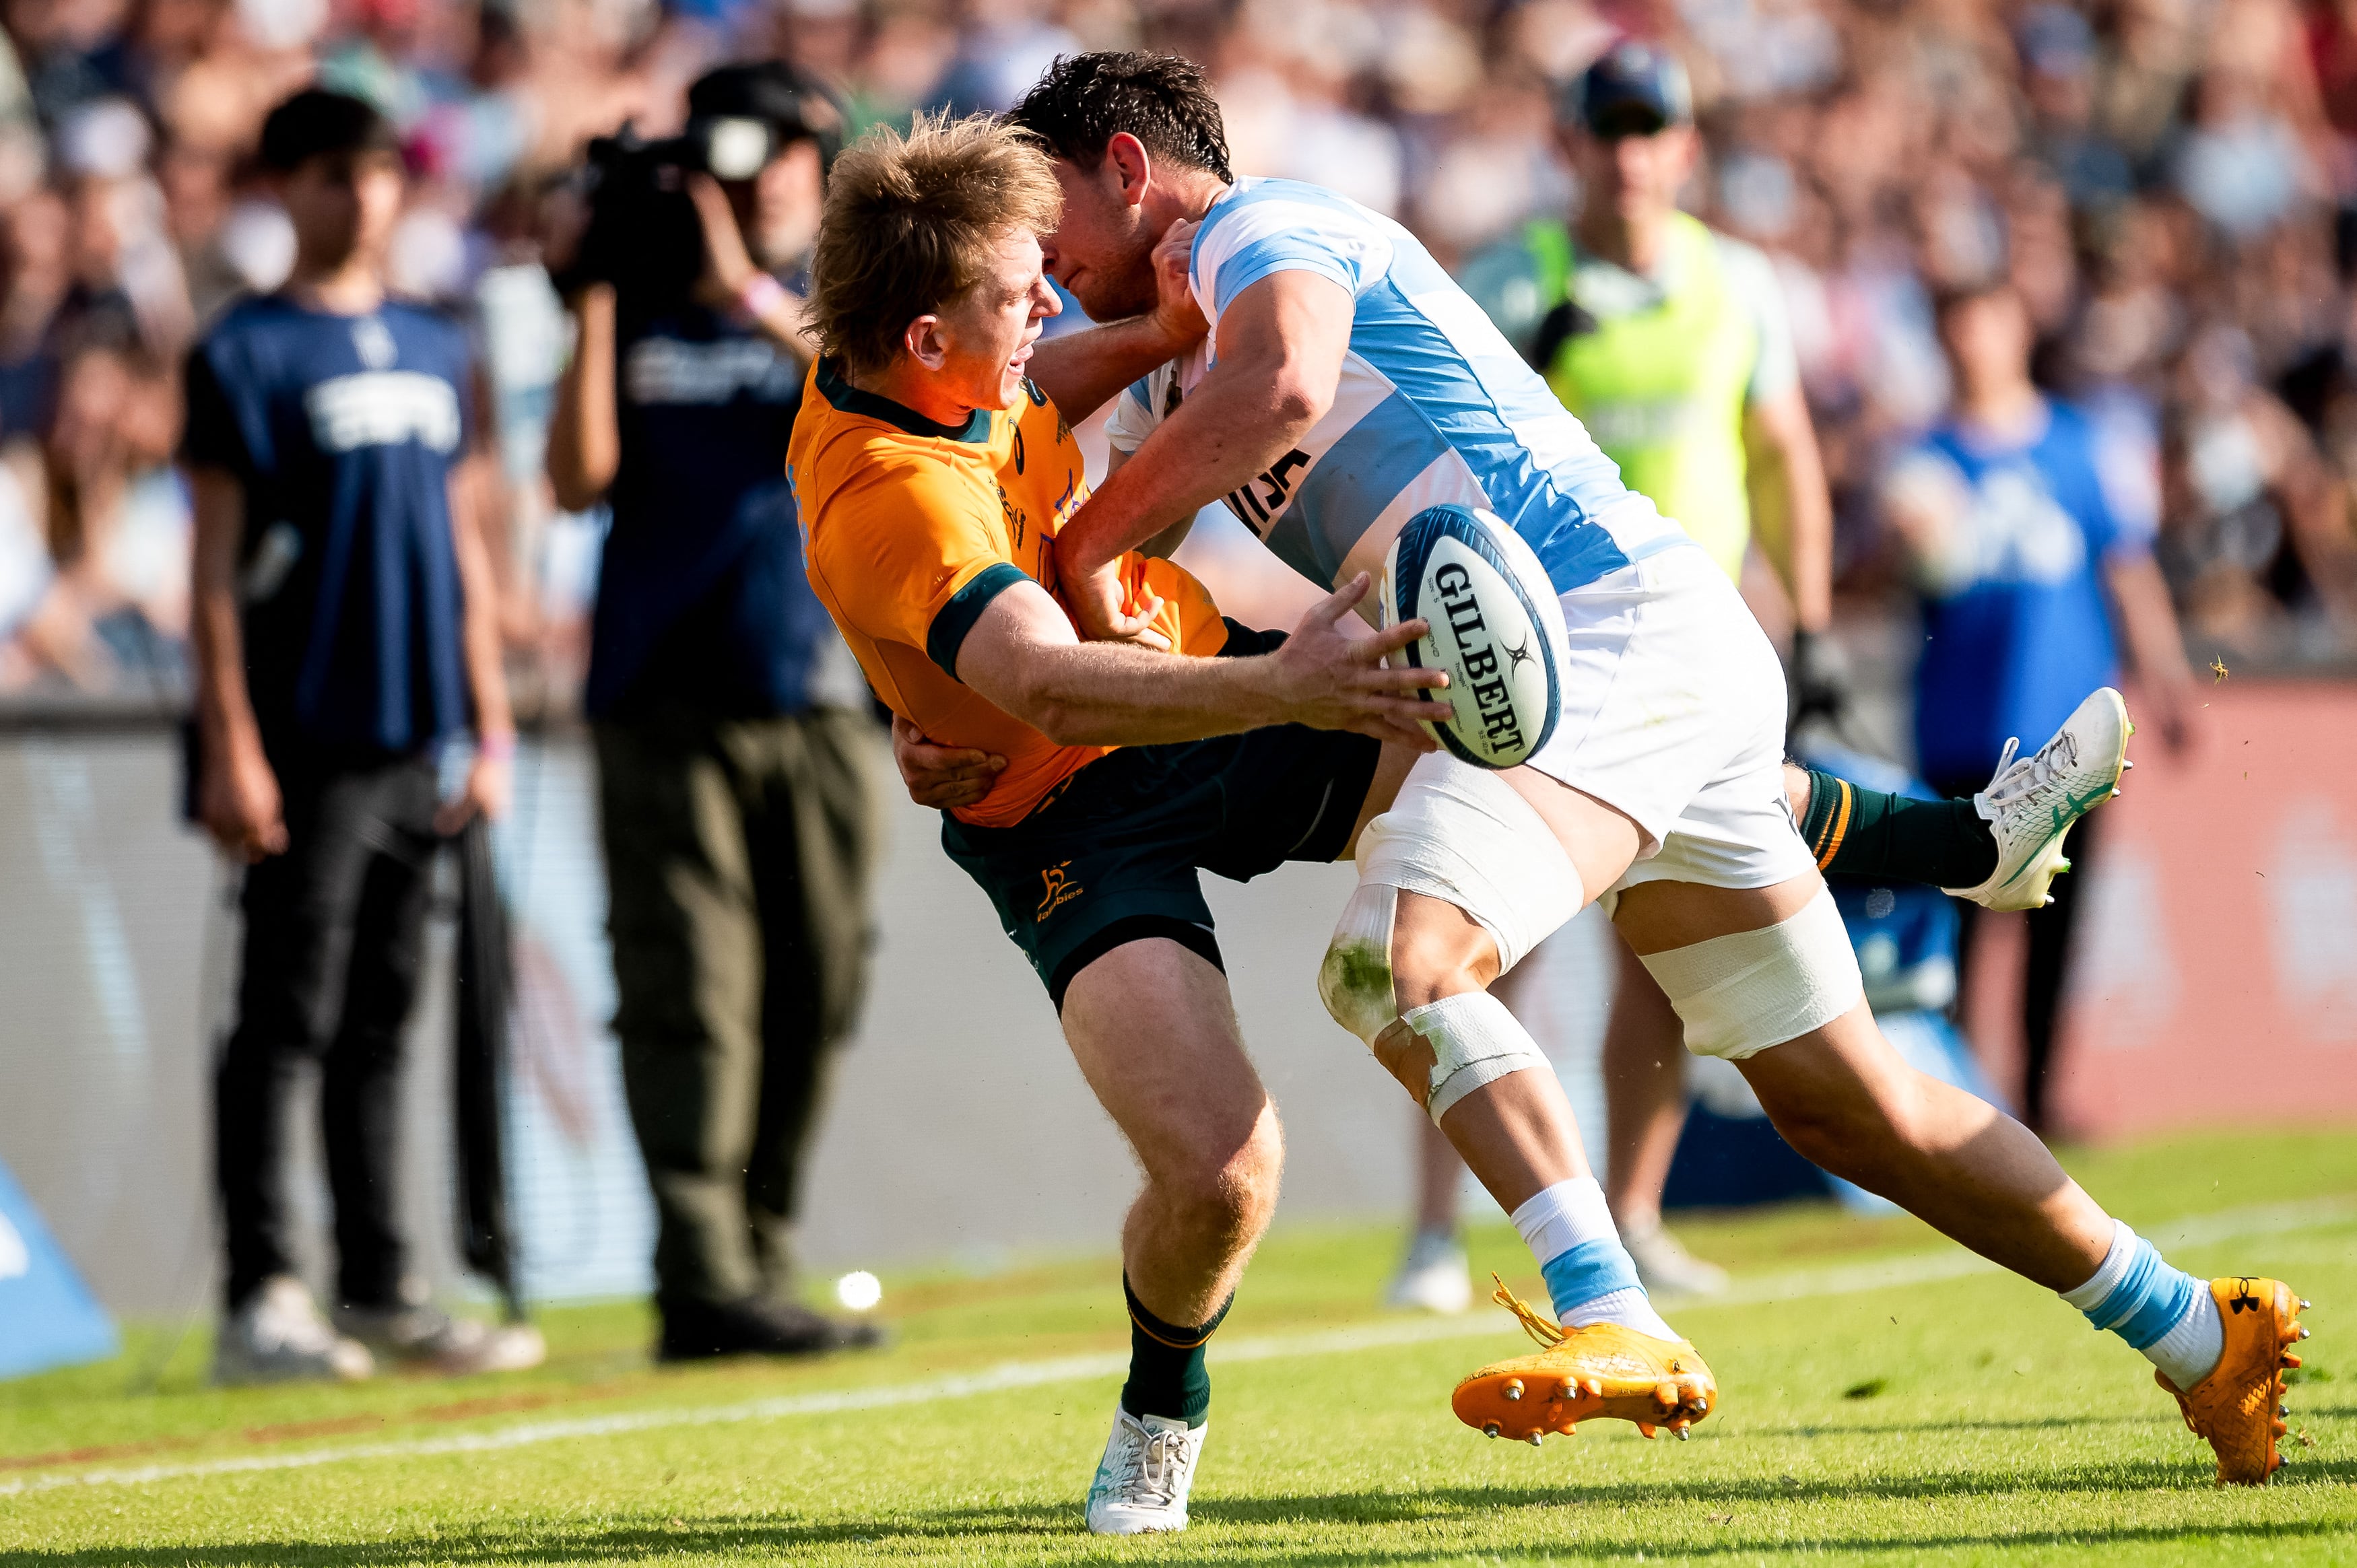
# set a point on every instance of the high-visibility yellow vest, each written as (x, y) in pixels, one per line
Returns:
(1662, 390)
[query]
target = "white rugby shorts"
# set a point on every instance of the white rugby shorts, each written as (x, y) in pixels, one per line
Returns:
(1672, 713)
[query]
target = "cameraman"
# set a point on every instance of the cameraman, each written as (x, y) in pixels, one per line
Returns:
(736, 753)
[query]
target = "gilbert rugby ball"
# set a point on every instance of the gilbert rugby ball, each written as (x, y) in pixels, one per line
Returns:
(1497, 628)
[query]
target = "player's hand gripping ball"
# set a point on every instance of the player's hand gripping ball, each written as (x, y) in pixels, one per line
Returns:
(1497, 628)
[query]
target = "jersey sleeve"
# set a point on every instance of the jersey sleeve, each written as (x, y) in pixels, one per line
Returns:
(913, 557)
(1136, 412)
(213, 434)
(1751, 277)
(1261, 236)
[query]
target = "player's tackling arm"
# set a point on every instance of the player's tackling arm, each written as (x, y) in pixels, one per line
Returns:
(1281, 346)
(1022, 654)
(1083, 372)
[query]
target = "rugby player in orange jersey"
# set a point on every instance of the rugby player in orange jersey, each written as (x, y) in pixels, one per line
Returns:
(931, 476)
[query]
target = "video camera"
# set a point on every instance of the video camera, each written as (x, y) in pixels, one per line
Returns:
(644, 237)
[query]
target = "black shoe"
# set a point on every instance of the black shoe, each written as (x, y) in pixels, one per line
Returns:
(754, 1325)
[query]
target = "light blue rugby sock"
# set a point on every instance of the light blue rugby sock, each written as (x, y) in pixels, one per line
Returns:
(1589, 1275)
(2161, 1311)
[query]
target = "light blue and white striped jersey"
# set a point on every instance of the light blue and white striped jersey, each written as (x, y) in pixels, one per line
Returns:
(1434, 406)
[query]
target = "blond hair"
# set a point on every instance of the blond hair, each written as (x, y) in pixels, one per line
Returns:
(909, 225)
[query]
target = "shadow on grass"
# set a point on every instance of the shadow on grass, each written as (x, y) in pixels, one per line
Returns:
(1945, 1427)
(969, 1533)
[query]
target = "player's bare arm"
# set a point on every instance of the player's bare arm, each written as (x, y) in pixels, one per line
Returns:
(1023, 655)
(1165, 544)
(1282, 343)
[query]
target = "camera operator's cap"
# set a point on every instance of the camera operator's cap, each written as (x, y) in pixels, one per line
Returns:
(774, 92)
(1634, 89)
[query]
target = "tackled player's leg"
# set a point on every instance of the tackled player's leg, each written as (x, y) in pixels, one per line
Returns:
(1100, 889)
(1154, 1031)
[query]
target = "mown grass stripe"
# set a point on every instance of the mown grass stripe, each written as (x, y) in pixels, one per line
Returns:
(1797, 1285)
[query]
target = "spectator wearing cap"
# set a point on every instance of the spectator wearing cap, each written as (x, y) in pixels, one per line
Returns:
(2027, 528)
(345, 631)
(2058, 56)
(736, 752)
(1672, 344)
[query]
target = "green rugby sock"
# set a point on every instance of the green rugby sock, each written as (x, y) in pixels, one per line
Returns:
(1871, 833)
(1166, 1375)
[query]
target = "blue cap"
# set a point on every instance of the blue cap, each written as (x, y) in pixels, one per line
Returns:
(1633, 89)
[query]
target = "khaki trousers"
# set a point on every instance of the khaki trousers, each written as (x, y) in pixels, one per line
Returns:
(739, 856)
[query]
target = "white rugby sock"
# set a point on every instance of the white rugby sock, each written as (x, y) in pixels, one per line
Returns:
(1589, 1275)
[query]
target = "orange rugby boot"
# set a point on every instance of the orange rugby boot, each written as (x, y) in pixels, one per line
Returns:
(1581, 1374)
(2239, 1408)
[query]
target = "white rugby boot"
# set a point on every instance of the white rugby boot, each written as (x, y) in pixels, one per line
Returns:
(1665, 1268)
(2033, 800)
(1143, 1480)
(1433, 1276)
(279, 1337)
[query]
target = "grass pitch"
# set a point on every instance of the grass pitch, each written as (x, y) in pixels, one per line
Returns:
(1881, 1401)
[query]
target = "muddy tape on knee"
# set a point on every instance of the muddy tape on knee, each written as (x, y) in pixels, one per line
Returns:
(1355, 979)
(1740, 995)
(1474, 1041)
(1461, 834)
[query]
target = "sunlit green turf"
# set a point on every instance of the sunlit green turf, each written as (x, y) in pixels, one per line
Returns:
(1972, 1419)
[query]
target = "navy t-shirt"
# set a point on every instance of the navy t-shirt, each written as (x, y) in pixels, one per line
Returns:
(343, 430)
(703, 603)
(2017, 625)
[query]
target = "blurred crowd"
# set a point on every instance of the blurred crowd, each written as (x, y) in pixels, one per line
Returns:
(2171, 183)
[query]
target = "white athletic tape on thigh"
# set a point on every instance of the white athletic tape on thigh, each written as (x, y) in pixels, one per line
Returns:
(1461, 834)
(1355, 980)
(1740, 995)
(1474, 1041)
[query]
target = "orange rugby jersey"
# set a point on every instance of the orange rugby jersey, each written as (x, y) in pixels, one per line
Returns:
(911, 528)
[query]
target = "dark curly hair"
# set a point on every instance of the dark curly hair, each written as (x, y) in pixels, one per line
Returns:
(1162, 99)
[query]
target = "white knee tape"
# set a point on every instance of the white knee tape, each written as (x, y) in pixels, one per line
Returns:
(1461, 834)
(1740, 995)
(1474, 1041)
(1355, 980)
